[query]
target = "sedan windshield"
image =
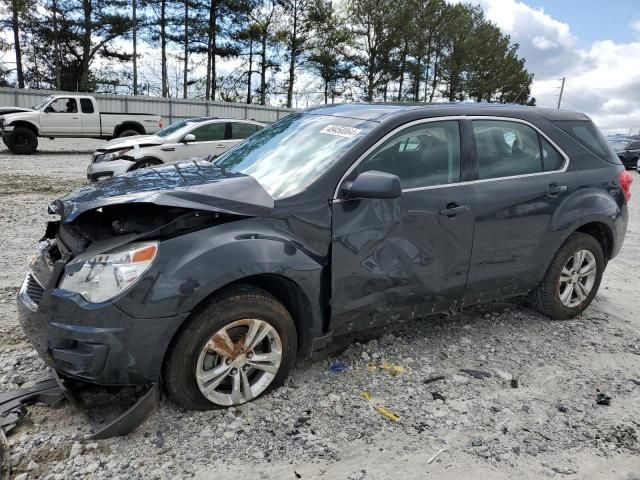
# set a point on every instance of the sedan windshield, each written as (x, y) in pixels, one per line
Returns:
(286, 157)
(166, 131)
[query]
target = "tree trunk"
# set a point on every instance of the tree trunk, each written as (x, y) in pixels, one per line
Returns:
(15, 25)
(134, 15)
(326, 92)
(211, 50)
(263, 71)
(403, 65)
(86, 45)
(163, 47)
(185, 78)
(434, 81)
(250, 69)
(56, 44)
(293, 53)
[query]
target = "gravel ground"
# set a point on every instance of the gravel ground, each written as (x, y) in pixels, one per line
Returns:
(532, 415)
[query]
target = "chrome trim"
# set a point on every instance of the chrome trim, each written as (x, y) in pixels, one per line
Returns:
(24, 296)
(470, 182)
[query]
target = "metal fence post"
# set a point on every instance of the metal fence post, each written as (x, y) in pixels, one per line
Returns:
(126, 105)
(170, 111)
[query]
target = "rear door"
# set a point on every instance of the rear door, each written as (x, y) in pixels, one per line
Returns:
(242, 130)
(521, 185)
(409, 256)
(61, 117)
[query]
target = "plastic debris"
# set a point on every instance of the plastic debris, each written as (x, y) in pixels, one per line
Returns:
(436, 455)
(434, 379)
(438, 396)
(479, 374)
(338, 367)
(379, 408)
(387, 413)
(514, 383)
(392, 368)
(603, 399)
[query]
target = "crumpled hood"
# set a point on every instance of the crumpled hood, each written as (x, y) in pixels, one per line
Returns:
(7, 110)
(196, 184)
(132, 141)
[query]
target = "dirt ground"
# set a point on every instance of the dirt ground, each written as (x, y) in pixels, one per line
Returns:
(534, 416)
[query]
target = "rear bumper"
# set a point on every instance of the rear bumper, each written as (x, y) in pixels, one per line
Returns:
(98, 343)
(104, 170)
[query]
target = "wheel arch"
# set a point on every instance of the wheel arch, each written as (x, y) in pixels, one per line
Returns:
(129, 125)
(602, 233)
(25, 124)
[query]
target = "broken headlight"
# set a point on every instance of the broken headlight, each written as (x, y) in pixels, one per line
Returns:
(108, 157)
(106, 275)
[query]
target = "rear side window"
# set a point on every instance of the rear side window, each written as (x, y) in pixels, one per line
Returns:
(87, 105)
(506, 149)
(243, 130)
(586, 133)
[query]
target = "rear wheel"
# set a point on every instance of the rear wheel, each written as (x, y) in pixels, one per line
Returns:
(239, 346)
(573, 278)
(22, 141)
(129, 132)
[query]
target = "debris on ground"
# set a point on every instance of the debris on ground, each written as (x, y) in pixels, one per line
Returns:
(479, 374)
(338, 367)
(603, 399)
(433, 379)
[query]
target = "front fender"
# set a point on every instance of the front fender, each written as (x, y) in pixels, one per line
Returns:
(191, 267)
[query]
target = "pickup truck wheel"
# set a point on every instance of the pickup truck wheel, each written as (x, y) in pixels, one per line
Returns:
(22, 141)
(572, 280)
(128, 133)
(240, 345)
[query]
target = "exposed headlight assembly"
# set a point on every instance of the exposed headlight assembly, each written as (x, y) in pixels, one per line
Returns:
(108, 274)
(108, 157)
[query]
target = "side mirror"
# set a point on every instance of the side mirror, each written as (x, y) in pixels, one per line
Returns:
(373, 184)
(189, 137)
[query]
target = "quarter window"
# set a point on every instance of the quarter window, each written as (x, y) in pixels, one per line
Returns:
(506, 149)
(87, 105)
(422, 155)
(551, 158)
(210, 132)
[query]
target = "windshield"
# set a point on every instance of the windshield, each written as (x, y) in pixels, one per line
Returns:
(166, 131)
(41, 105)
(289, 155)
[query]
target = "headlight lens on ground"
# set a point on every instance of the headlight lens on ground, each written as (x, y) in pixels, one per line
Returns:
(107, 157)
(108, 274)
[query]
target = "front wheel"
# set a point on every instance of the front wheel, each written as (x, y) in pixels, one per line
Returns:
(22, 141)
(129, 132)
(233, 350)
(572, 280)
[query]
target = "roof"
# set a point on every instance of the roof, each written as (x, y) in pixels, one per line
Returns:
(378, 112)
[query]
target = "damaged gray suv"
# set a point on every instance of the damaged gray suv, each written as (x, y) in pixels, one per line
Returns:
(213, 277)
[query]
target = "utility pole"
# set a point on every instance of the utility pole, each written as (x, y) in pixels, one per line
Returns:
(561, 92)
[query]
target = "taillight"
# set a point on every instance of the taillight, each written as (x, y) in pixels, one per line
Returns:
(625, 182)
(160, 124)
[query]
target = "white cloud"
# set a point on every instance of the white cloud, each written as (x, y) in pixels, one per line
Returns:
(602, 79)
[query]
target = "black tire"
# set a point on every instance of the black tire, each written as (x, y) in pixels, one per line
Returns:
(242, 302)
(546, 296)
(129, 132)
(144, 163)
(22, 141)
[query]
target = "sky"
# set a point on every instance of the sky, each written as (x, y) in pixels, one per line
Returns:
(594, 44)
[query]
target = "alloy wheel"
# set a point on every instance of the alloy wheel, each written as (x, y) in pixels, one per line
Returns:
(239, 362)
(577, 278)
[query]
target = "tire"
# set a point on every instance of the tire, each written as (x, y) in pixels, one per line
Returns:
(22, 141)
(144, 163)
(550, 296)
(129, 132)
(194, 346)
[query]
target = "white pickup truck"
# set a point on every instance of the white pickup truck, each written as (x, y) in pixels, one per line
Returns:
(69, 116)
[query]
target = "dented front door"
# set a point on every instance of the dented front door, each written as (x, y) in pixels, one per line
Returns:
(400, 258)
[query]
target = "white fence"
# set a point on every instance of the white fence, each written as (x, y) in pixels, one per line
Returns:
(171, 109)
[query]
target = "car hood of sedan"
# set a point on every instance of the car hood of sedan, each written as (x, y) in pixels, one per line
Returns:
(197, 185)
(132, 141)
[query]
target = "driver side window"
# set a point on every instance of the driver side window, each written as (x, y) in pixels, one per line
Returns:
(423, 155)
(210, 132)
(63, 105)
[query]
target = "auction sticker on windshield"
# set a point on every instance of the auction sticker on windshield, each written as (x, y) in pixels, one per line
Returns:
(348, 132)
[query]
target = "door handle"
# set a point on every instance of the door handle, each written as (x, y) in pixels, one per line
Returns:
(219, 146)
(555, 188)
(168, 149)
(454, 209)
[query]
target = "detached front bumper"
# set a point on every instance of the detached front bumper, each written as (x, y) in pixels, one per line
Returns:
(98, 343)
(104, 170)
